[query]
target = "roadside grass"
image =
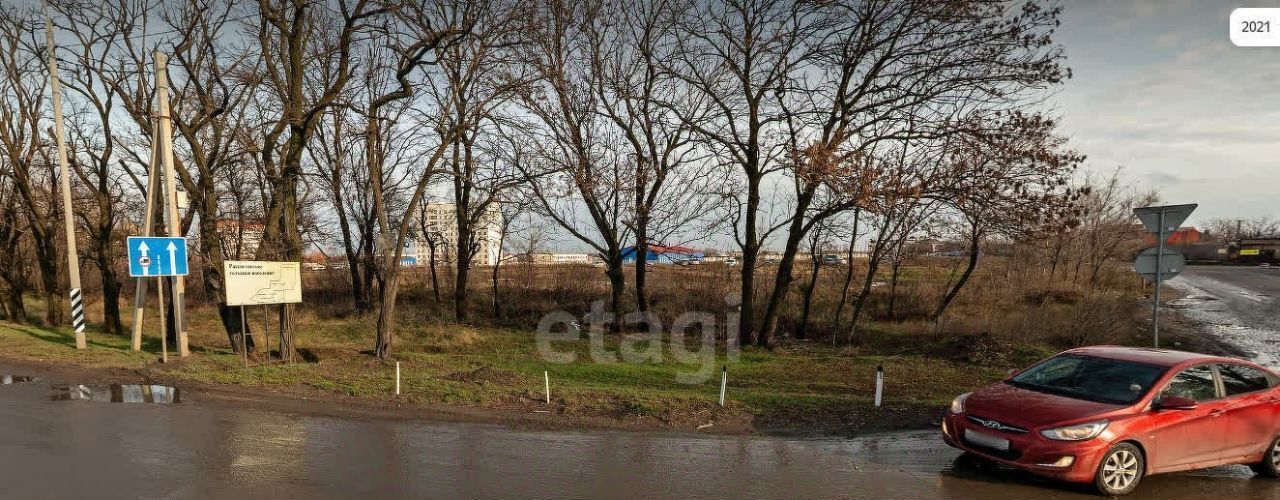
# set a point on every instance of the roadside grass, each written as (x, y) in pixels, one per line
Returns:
(814, 386)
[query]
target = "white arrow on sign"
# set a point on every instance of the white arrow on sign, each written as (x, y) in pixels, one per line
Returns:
(173, 259)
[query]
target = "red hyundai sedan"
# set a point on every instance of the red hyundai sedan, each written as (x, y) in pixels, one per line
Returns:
(1113, 415)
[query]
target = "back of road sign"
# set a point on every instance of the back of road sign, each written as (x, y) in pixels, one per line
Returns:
(154, 256)
(1171, 263)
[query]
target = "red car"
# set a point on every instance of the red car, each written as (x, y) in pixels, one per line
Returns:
(1113, 415)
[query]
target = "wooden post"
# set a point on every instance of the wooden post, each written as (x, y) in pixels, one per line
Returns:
(64, 181)
(171, 193)
(140, 284)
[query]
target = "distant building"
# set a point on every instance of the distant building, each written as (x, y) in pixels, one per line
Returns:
(1183, 236)
(661, 254)
(570, 258)
(240, 241)
(442, 231)
(1256, 250)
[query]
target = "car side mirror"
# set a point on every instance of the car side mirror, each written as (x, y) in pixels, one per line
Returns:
(1012, 372)
(1175, 403)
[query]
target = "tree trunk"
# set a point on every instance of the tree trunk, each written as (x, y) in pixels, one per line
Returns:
(110, 299)
(617, 287)
(16, 310)
(435, 281)
(783, 279)
(815, 267)
(848, 275)
(461, 275)
(974, 240)
(642, 256)
(896, 267)
(236, 326)
(386, 312)
(53, 299)
(750, 253)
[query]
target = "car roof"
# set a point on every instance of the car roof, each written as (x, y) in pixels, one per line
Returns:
(1148, 355)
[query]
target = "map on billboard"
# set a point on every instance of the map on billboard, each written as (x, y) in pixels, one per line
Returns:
(252, 283)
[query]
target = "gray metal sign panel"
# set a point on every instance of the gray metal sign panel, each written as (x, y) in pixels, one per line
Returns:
(1171, 264)
(1174, 215)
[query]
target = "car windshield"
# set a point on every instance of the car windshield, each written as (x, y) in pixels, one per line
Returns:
(1089, 378)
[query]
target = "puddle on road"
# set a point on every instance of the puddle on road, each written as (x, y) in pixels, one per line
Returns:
(117, 393)
(15, 379)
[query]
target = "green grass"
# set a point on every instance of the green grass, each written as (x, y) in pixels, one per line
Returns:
(498, 369)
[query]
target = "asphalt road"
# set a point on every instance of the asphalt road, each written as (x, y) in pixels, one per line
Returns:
(1240, 306)
(57, 446)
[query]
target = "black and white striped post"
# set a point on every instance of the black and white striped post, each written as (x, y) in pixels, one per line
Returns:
(77, 311)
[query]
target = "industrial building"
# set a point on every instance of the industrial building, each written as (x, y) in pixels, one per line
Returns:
(661, 254)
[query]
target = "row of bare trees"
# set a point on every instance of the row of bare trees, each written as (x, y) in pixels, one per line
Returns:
(622, 124)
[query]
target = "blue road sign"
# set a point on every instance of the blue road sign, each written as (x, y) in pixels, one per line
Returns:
(152, 256)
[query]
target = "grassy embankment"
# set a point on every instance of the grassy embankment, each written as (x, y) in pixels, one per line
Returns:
(1007, 318)
(803, 388)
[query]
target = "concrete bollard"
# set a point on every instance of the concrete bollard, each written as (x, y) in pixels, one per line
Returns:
(397, 378)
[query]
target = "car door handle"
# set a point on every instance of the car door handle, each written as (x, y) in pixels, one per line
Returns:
(1216, 413)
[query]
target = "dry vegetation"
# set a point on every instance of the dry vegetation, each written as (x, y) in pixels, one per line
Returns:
(1010, 315)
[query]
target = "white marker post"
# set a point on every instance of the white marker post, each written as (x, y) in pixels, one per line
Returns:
(546, 382)
(397, 378)
(879, 385)
(724, 382)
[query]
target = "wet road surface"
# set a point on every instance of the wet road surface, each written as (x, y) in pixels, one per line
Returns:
(92, 448)
(1240, 305)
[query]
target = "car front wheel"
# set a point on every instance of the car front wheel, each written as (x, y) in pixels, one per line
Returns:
(1120, 471)
(1270, 464)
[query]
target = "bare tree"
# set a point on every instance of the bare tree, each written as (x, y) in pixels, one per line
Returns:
(307, 58)
(30, 167)
(1014, 177)
(576, 161)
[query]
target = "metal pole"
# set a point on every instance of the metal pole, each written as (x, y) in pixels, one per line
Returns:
(1155, 306)
(164, 332)
(546, 380)
(148, 221)
(244, 338)
(73, 257)
(171, 194)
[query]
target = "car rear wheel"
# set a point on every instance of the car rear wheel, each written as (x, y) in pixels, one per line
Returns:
(1120, 471)
(1270, 464)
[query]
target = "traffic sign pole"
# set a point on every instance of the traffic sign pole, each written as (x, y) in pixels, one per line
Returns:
(1159, 220)
(1155, 306)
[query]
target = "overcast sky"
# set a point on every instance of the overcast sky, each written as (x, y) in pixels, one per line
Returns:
(1159, 90)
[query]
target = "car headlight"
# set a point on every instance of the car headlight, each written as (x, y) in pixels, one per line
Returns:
(1079, 432)
(957, 404)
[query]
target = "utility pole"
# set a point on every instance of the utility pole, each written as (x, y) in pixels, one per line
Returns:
(73, 258)
(173, 222)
